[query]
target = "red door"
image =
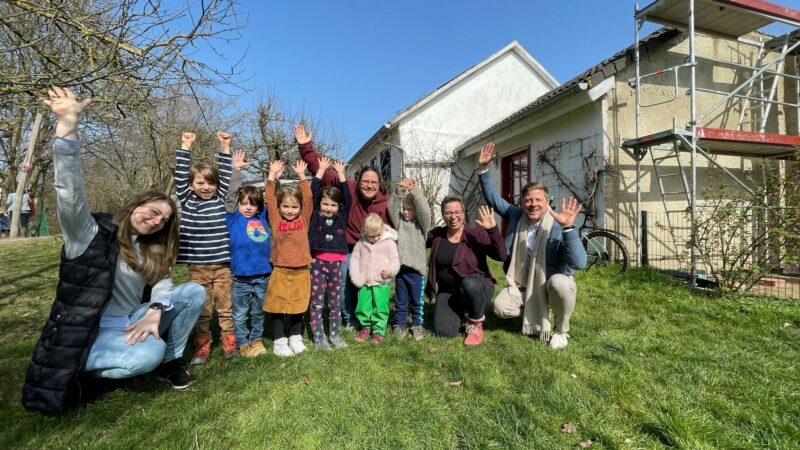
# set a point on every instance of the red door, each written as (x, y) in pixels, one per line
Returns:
(515, 172)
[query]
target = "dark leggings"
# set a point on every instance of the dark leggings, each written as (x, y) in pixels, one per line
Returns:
(295, 324)
(470, 297)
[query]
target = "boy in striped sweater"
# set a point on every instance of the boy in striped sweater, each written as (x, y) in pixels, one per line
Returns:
(204, 240)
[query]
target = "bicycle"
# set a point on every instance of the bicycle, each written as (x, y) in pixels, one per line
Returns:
(604, 247)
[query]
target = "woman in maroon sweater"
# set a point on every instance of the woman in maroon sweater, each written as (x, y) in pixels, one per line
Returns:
(369, 196)
(458, 274)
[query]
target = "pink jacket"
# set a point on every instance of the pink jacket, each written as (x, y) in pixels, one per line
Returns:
(368, 260)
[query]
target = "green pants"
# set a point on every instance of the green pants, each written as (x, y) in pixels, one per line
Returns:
(372, 310)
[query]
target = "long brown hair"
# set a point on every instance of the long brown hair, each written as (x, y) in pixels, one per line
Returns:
(159, 250)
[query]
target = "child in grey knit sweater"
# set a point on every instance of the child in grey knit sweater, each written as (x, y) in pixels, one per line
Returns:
(412, 215)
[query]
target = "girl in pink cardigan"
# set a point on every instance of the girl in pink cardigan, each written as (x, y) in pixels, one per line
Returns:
(373, 265)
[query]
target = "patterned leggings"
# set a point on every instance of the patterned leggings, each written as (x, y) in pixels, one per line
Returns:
(326, 276)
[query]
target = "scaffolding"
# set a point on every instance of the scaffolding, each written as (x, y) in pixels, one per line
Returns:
(756, 97)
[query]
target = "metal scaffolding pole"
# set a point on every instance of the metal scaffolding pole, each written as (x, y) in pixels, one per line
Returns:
(693, 130)
(638, 239)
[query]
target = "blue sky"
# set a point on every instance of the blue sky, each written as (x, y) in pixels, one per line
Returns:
(359, 62)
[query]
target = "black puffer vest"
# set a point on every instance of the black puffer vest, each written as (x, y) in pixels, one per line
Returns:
(84, 289)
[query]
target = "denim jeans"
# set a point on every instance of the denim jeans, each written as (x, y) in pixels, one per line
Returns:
(111, 357)
(350, 294)
(248, 294)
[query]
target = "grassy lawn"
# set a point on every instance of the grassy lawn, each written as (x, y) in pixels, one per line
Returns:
(649, 365)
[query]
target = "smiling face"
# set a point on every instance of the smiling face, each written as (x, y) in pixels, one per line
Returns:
(368, 185)
(289, 208)
(150, 217)
(409, 211)
(202, 187)
(535, 205)
(328, 207)
(453, 214)
(247, 209)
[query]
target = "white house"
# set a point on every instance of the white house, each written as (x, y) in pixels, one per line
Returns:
(420, 140)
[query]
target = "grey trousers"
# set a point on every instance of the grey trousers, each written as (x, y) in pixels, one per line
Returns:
(561, 292)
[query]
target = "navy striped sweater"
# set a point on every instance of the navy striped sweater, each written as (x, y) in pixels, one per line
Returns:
(203, 231)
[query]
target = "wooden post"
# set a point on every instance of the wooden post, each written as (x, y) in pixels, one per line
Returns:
(23, 179)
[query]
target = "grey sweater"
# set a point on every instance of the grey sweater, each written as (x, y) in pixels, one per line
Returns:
(411, 235)
(79, 228)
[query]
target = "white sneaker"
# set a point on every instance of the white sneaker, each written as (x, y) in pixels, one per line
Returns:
(281, 348)
(559, 340)
(296, 344)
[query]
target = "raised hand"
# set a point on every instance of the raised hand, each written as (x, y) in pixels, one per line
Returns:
(300, 168)
(486, 156)
(486, 220)
(568, 213)
(187, 139)
(300, 134)
(276, 169)
(340, 168)
(324, 163)
(66, 108)
(63, 102)
(238, 160)
(224, 141)
(408, 183)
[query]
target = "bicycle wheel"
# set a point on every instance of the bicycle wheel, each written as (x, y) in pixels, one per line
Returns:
(604, 249)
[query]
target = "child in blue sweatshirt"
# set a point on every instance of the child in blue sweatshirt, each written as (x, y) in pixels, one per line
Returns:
(250, 250)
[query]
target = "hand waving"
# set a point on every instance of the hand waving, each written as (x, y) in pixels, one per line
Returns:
(238, 160)
(224, 141)
(567, 215)
(300, 168)
(487, 218)
(300, 134)
(324, 163)
(276, 169)
(487, 154)
(187, 139)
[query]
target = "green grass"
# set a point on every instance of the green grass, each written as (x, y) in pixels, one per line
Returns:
(650, 365)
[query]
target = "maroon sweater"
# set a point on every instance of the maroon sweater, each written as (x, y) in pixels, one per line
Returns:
(470, 259)
(361, 207)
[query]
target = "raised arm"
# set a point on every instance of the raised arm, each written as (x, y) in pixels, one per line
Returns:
(236, 181)
(270, 200)
(571, 249)
(182, 166)
(310, 155)
(305, 190)
(340, 168)
(316, 182)
(422, 207)
(490, 193)
(77, 224)
(224, 163)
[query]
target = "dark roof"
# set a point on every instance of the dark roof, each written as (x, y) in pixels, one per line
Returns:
(591, 77)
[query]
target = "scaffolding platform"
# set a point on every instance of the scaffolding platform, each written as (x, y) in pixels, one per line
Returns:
(718, 141)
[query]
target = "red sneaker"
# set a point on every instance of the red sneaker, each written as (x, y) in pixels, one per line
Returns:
(377, 338)
(229, 346)
(474, 333)
(363, 335)
(202, 349)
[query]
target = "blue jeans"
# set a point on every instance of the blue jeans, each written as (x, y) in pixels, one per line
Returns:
(248, 294)
(409, 284)
(350, 293)
(111, 357)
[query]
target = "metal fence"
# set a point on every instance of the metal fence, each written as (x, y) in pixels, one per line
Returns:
(666, 249)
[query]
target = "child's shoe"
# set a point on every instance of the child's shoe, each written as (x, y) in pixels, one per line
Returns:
(338, 342)
(399, 332)
(202, 350)
(377, 339)
(321, 342)
(417, 333)
(229, 346)
(474, 332)
(363, 335)
(296, 344)
(281, 347)
(559, 340)
(258, 347)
